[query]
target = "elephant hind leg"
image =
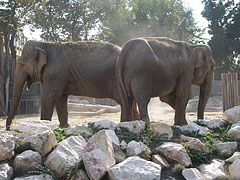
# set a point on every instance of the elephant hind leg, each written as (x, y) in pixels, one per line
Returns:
(169, 99)
(62, 110)
(127, 114)
(135, 113)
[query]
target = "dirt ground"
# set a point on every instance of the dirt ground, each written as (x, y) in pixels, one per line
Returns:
(158, 111)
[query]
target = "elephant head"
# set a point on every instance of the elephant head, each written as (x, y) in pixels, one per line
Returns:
(203, 74)
(29, 69)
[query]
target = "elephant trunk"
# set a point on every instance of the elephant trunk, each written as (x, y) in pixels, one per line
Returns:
(18, 85)
(205, 90)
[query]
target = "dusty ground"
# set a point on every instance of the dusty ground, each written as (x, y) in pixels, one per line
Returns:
(159, 112)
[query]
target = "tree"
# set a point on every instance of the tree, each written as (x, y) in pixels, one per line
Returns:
(223, 17)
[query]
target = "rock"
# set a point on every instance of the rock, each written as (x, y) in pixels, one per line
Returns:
(98, 155)
(7, 145)
(35, 177)
(119, 155)
(193, 127)
(136, 127)
(82, 130)
(42, 142)
(232, 115)
(135, 168)
(226, 146)
(234, 169)
(234, 157)
(66, 155)
(192, 174)
(212, 123)
(80, 175)
(113, 137)
(6, 172)
(137, 148)
(159, 159)
(105, 124)
(123, 145)
(213, 171)
(175, 152)
(27, 161)
(194, 143)
(35, 126)
(234, 131)
(161, 130)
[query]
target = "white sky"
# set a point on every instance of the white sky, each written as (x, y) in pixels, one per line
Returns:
(195, 5)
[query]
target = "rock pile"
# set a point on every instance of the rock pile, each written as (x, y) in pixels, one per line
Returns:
(33, 152)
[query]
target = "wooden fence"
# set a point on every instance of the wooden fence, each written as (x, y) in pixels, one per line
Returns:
(230, 90)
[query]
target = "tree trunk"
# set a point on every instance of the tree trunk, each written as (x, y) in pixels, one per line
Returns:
(7, 75)
(2, 107)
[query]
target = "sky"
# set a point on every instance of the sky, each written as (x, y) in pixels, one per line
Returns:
(195, 5)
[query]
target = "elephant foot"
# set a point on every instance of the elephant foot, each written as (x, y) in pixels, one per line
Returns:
(7, 128)
(64, 125)
(181, 123)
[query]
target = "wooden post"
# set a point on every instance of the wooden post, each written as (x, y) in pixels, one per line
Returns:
(230, 93)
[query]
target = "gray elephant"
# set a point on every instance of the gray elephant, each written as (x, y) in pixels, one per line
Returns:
(81, 69)
(165, 68)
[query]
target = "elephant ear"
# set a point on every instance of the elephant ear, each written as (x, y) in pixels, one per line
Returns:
(198, 55)
(41, 59)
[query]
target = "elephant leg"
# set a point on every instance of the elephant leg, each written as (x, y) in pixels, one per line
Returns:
(135, 113)
(169, 99)
(62, 110)
(127, 114)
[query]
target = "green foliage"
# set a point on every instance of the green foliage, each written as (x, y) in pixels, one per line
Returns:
(59, 133)
(44, 170)
(224, 154)
(94, 129)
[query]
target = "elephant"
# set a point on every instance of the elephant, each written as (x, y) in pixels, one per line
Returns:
(162, 67)
(84, 68)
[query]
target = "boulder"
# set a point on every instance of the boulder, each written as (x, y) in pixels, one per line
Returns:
(159, 159)
(192, 174)
(135, 168)
(35, 177)
(105, 124)
(136, 127)
(35, 126)
(98, 155)
(113, 137)
(234, 169)
(212, 123)
(234, 131)
(7, 145)
(123, 145)
(27, 161)
(66, 155)
(82, 130)
(175, 152)
(137, 148)
(80, 175)
(6, 172)
(226, 146)
(232, 115)
(163, 130)
(234, 157)
(214, 170)
(193, 127)
(194, 143)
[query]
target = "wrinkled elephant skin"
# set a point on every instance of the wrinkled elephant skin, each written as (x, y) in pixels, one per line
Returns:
(151, 67)
(81, 69)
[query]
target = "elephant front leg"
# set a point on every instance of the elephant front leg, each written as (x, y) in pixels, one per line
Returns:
(62, 111)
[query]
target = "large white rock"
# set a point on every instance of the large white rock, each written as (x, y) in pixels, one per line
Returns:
(192, 174)
(42, 142)
(80, 175)
(7, 145)
(136, 148)
(105, 124)
(35, 126)
(159, 159)
(175, 152)
(98, 155)
(234, 157)
(113, 137)
(27, 161)
(214, 170)
(136, 127)
(81, 129)
(6, 172)
(135, 168)
(193, 127)
(234, 169)
(161, 130)
(194, 143)
(232, 115)
(35, 177)
(234, 131)
(212, 123)
(66, 155)
(226, 146)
